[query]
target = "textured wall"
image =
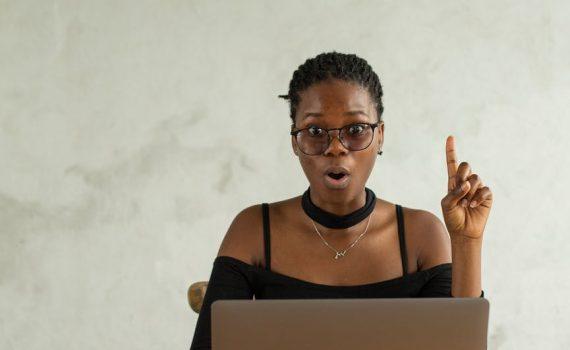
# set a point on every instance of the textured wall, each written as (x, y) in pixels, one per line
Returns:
(132, 132)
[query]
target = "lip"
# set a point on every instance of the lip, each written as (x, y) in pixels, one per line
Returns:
(337, 169)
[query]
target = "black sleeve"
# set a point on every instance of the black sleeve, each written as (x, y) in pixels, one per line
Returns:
(228, 280)
(439, 283)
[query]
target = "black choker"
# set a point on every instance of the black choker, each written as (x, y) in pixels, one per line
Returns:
(331, 220)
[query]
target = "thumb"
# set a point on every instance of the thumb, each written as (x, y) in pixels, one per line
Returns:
(456, 194)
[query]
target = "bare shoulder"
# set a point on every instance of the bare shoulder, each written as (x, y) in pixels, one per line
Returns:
(430, 238)
(244, 240)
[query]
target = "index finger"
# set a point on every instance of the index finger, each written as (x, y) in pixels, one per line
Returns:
(451, 158)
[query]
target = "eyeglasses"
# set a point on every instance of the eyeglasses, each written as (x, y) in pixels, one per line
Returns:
(314, 141)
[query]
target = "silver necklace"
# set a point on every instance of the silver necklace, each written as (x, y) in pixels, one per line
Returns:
(341, 254)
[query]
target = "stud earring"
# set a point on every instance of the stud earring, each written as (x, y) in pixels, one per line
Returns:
(380, 153)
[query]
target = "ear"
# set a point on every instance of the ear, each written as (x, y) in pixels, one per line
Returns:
(380, 135)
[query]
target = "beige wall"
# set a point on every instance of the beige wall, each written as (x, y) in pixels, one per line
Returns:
(132, 132)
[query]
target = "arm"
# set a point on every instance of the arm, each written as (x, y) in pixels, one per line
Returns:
(458, 271)
(465, 210)
(230, 279)
(466, 275)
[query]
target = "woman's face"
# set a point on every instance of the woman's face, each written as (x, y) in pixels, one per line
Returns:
(329, 104)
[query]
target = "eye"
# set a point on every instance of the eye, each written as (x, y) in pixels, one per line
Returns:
(356, 129)
(315, 130)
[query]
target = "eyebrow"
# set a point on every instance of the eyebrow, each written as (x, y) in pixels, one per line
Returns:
(316, 114)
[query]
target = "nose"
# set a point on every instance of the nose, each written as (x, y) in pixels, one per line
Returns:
(335, 147)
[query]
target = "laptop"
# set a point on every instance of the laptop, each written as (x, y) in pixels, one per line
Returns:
(331, 324)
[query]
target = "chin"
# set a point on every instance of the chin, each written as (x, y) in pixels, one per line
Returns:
(335, 192)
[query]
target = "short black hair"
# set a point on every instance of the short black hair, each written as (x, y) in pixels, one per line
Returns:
(327, 65)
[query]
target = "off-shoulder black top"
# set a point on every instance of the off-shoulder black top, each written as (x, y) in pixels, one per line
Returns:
(232, 278)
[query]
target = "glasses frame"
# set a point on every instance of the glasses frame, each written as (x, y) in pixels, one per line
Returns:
(372, 125)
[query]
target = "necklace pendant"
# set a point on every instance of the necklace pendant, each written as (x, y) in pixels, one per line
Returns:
(339, 255)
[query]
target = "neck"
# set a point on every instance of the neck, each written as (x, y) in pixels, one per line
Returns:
(339, 207)
(338, 214)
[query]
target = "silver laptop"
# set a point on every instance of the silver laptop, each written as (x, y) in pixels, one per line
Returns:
(331, 324)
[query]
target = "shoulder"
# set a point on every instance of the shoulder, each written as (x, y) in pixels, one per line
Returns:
(431, 240)
(243, 239)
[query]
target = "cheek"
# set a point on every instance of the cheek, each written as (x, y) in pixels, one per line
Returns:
(365, 162)
(308, 164)
(312, 167)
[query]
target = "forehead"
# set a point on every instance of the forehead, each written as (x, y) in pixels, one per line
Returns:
(331, 95)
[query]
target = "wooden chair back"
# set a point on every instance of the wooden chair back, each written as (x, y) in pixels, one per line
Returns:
(196, 294)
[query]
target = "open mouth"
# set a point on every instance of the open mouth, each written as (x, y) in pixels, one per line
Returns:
(336, 176)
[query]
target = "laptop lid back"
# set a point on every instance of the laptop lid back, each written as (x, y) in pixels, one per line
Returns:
(379, 323)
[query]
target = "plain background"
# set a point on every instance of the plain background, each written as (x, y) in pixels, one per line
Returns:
(132, 132)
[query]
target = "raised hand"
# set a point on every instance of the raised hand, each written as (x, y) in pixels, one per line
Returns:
(467, 204)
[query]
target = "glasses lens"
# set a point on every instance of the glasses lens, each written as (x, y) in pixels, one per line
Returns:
(356, 137)
(312, 141)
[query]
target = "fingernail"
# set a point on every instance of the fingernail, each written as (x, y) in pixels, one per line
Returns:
(473, 204)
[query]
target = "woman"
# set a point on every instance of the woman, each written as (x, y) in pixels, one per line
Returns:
(338, 240)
